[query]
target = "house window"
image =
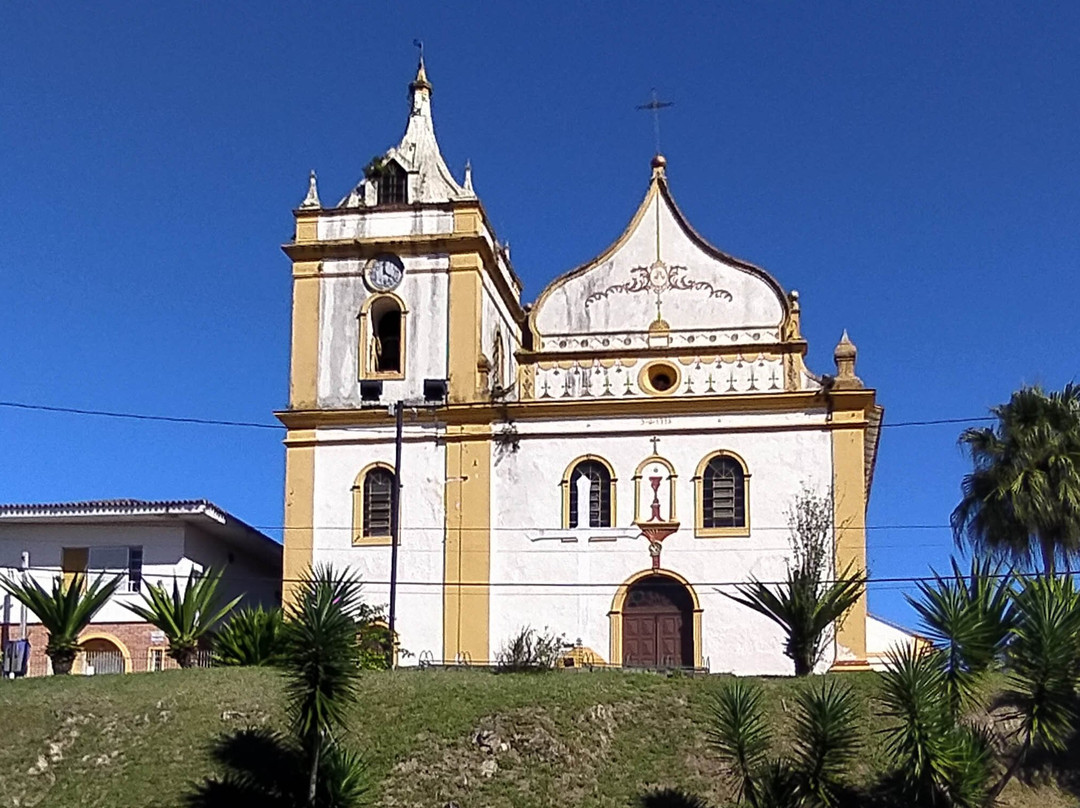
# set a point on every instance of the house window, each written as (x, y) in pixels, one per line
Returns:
(372, 496)
(118, 560)
(383, 331)
(589, 485)
(393, 185)
(722, 495)
(156, 660)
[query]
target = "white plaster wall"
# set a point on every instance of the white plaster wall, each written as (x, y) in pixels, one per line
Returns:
(339, 457)
(386, 224)
(163, 556)
(342, 293)
(589, 564)
(255, 581)
(881, 638)
(754, 305)
(496, 314)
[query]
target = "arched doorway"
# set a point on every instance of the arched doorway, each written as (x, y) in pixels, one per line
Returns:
(658, 624)
(101, 655)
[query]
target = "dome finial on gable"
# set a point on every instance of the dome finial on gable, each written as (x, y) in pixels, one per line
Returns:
(658, 163)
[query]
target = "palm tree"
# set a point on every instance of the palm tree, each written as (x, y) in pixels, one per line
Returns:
(308, 766)
(64, 612)
(185, 618)
(1021, 502)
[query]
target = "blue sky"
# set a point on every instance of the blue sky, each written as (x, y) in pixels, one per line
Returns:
(912, 171)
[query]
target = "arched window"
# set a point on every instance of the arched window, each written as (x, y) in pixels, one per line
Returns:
(722, 496)
(383, 335)
(393, 184)
(589, 494)
(372, 496)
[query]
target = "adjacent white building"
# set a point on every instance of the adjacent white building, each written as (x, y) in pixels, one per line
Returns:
(143, 542)
(607, 462)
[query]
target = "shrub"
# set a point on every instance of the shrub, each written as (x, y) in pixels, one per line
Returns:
(252, 637)
(530, 650)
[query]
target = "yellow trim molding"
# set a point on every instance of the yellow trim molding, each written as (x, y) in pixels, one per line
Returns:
(702, 532)
(358, 537)
(466, 314)
(365, 368)
(304, 359)
(564, 484)
(299, 509)
(467, 554)
(849, 521)
(615, 614)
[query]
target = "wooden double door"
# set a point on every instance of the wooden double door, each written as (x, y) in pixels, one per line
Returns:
(657, 625)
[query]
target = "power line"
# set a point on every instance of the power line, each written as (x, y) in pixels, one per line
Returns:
(135, 416)
(562, 585)
(176, 419)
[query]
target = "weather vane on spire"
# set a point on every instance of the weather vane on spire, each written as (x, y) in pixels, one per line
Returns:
(419, 45)
(654, 106)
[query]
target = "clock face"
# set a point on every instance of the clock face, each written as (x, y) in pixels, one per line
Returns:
(384, 272)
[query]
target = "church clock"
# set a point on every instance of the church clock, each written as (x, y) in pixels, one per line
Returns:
(384, 272)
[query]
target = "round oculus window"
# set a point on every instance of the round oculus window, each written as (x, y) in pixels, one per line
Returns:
(660, 378)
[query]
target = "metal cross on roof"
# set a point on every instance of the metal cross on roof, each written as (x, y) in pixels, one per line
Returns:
(654, 106)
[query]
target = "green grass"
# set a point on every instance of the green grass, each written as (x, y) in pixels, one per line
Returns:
(581, 739)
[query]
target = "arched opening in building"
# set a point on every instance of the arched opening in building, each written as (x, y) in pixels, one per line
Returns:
(393, 184)
(101, 656)
(658, 624)
(386, 327)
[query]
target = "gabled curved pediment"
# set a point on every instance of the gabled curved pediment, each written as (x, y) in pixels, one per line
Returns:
(660, 272)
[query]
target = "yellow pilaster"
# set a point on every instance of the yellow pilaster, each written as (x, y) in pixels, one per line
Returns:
(849, 518)
(304, 361)
(299, 508)
(466, 319)
(467, 563)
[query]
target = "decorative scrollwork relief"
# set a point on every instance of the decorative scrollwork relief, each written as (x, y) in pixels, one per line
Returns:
(657, 279)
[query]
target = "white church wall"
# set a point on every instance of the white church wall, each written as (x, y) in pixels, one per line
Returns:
(529, 546)
(698, 291)
(386, 224)
(343, 292)
(339, 457)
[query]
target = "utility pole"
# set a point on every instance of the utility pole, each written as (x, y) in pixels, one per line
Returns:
(24, 566)
(395, 526)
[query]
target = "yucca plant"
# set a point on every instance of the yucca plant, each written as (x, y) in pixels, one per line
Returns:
(64, 611)
(940, 762)
(1044, 666)
(308, 765)
(251, 637)
(671, 798)
(826, 740)
(970, 619)
(806, 605)
(186, 618)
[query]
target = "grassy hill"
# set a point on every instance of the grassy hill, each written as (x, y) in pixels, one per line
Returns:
(474, 738)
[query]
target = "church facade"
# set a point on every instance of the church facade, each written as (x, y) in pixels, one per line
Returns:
(606, 462)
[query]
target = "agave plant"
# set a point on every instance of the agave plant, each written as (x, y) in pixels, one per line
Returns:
(64, 611)
(826, 742)
(251, 637)
(970, 619)
(186, 618)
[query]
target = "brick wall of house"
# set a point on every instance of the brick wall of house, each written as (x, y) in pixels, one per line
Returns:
(138, 638)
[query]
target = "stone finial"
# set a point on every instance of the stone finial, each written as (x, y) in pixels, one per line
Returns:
(659, 164)
(793, 325)
(844, 356)
(468, 177)
(311, 201)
